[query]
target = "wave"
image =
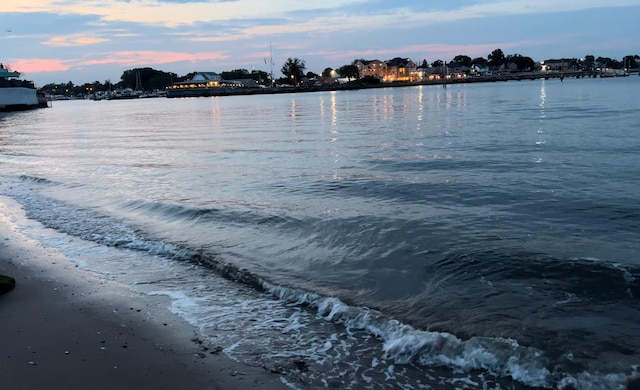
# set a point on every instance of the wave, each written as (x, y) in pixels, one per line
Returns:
(401, 343)
(585, 277)
(180, 212)
(38, 180)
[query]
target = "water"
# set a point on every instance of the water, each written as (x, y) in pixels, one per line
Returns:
(478, 236)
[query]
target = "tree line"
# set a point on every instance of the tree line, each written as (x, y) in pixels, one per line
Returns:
(293, 70)
(145, 79)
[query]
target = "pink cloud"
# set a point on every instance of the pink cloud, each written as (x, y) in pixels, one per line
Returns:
(142, 58)
(124, 58)
(36, 65)
(73, 40)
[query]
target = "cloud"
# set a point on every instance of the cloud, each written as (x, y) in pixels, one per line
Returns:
(36, 65)
(328, 21)
(123, 58)
(138, 58)
(184, 12)
(20, 6)
(73, 40)
(243, 20)
(172, 14)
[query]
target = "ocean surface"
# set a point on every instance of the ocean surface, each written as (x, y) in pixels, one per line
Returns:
(480, 236)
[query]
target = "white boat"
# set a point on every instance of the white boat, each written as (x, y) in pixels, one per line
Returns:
(16, 94)
(126, 93)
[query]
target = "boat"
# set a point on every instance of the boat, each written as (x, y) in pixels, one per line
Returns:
(126, 93)
(16, 94)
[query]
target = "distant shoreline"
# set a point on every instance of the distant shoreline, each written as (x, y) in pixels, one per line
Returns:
(357, 85)
(174, 93)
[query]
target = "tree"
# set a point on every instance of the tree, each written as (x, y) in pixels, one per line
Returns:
(186, 77)
(349, 71)
(496, 58)
(327, 72)
(293, 69)
(522, 63)
(235, 74)
(589, 62)
(462, 59)
(146, 79)
(606, 62)
(261, 77)
(480, 61)
(437, 63)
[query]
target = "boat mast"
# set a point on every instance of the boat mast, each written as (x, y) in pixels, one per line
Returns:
(271, 62)
(444, 71)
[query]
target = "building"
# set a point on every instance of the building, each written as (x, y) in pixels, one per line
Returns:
(457, 70)
(479, 70)
(200, 80)
(396, 69)
(209, 84)
(373, 68)
(561, 65)
(400, 69)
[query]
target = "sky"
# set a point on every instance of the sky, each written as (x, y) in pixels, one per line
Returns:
(57, 41)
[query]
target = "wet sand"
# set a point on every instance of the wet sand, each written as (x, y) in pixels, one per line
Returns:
(63, 327)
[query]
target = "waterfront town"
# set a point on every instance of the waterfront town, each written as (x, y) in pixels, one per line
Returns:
(361, 73)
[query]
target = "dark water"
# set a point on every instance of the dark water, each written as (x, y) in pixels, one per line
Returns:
(479, 236)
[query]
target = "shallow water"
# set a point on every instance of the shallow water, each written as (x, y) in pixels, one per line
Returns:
(483, 235)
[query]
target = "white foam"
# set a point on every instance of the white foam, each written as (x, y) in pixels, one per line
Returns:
(588, 381)
(403, 344)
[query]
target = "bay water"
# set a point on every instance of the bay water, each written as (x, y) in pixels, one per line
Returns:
(477, 236)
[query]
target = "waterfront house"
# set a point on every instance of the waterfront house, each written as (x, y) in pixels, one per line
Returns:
(209, 84)
(371, 68)
(396, 69)
(457, 70)
(561, 65)
(400, 69)
(208, 81)
(479, 70)
(200, 80)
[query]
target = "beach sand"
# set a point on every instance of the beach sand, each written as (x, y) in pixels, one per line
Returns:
(67, 328)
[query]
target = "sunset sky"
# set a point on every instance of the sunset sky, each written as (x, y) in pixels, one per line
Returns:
(56, 41)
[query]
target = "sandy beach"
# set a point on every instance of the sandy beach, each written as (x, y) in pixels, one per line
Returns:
(67, 328)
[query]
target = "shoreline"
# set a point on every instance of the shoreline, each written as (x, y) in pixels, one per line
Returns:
(64, 327)
(174, 93)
